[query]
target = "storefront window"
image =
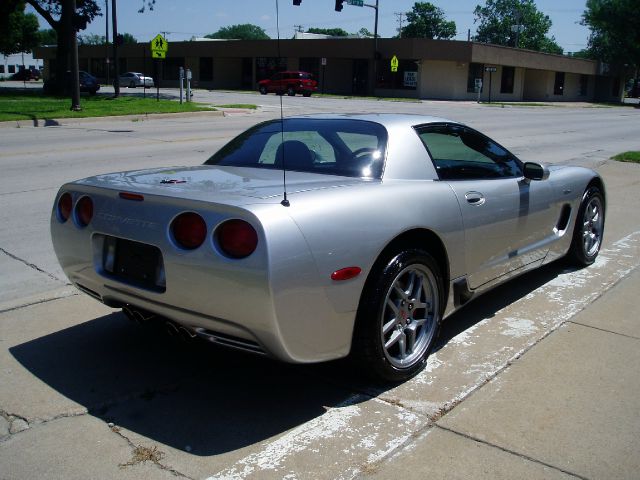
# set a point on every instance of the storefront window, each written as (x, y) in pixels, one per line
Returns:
(476, 70)
(508, 74)
(266, 67)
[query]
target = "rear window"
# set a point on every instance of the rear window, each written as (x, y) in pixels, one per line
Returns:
(352, 148)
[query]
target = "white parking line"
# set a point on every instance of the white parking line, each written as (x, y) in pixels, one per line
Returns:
(362, 431)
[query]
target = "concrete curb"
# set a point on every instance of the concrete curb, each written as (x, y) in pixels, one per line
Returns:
(50, 122)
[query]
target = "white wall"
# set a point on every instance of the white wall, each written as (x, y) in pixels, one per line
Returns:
(16, 60)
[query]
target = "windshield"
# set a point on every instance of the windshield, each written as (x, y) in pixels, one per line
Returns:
(346, 147)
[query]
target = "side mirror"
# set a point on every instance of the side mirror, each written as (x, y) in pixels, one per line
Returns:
(535, 171)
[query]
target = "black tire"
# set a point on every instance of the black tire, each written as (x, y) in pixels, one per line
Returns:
(306, 94)
(132, 84)
(380, 353)
(291, 92)
(263, 90)
(588, 230)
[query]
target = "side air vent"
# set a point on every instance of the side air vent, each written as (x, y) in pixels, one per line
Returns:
(563, 221)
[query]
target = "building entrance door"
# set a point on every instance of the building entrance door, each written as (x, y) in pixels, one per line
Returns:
(360, 76)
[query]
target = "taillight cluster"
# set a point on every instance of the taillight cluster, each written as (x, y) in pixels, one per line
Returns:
(82, 212)
(234, 238)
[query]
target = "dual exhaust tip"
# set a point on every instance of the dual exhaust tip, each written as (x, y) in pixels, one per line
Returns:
(173, 329)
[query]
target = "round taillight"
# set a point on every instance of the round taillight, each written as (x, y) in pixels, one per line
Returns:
(64, 206)
(237, 238)
(189, 230)
(84, 211)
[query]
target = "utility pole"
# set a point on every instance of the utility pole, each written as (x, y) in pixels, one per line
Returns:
(116, 71)
(106, 36)
(399, 15)
(70, 7)
(298, 28)
(517, 28)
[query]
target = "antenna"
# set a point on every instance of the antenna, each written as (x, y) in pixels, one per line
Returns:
(285, 201)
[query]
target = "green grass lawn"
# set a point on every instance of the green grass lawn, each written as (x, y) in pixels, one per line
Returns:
(36, 106)
(633, 157)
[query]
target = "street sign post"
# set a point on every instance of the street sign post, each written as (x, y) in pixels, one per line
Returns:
(159, 47)
(491, 71)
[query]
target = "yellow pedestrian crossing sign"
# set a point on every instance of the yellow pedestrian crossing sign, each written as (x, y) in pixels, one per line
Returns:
(394, 64)
(159, 46)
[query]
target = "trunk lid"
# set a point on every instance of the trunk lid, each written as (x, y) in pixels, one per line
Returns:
(234, 185)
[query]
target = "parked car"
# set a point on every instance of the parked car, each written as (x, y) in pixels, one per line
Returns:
(385, 224)
(289, 83)
(26, 74)
(135, 79)
(88, 83)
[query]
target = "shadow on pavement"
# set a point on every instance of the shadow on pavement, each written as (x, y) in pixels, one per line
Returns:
(208, 400)
(190, 396)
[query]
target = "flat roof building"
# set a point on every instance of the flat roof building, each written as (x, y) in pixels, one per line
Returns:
(427, 69)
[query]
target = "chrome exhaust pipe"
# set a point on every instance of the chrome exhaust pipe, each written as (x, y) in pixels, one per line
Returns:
(172, 330)
(186, 334)
(142, 316)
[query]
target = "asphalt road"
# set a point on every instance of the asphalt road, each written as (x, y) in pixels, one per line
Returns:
(86, 394)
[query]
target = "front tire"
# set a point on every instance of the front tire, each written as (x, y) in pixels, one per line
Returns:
(263, 90)
(291, 92)
(589, 229)
(399, 316)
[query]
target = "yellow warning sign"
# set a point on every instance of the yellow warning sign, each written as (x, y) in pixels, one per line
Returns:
(394, 64)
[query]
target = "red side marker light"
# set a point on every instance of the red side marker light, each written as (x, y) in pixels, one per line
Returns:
(346, 273)
(131, 196)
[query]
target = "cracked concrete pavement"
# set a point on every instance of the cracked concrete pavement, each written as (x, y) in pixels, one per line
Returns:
(536, 379)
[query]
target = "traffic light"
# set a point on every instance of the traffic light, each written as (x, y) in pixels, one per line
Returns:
(339, 5)
(297, 2)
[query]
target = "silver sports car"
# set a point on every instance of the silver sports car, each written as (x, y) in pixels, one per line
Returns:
(316, 237)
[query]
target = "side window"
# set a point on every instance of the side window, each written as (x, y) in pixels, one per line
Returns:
(459, 153)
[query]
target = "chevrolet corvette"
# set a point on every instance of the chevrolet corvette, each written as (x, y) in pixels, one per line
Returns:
(318, 237)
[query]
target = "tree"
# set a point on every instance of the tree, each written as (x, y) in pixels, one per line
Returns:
(333, 32)
(57, 14)
(91, 39)
(47, 37)
(127, 39)
(425, 20)
(245, 31)
(19, 31)
(498, 20)
(615, 30)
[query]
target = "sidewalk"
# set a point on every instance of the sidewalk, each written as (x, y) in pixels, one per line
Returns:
(568, 408)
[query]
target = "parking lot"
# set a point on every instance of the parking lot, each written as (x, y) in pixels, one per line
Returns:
(536, 379)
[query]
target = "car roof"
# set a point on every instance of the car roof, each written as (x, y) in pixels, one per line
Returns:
(386, 119)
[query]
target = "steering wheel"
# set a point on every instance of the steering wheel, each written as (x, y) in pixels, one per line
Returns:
(363, 151)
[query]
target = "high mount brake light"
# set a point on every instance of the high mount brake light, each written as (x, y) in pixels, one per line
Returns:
(84, 211)
(65, 203)
(237, 238)
(189, 230)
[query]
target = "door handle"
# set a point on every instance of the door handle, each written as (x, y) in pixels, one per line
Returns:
(474, 198)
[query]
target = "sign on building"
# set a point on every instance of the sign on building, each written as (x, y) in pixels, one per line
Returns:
(410, 79)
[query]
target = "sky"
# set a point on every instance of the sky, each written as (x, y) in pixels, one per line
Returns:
(184, 19)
